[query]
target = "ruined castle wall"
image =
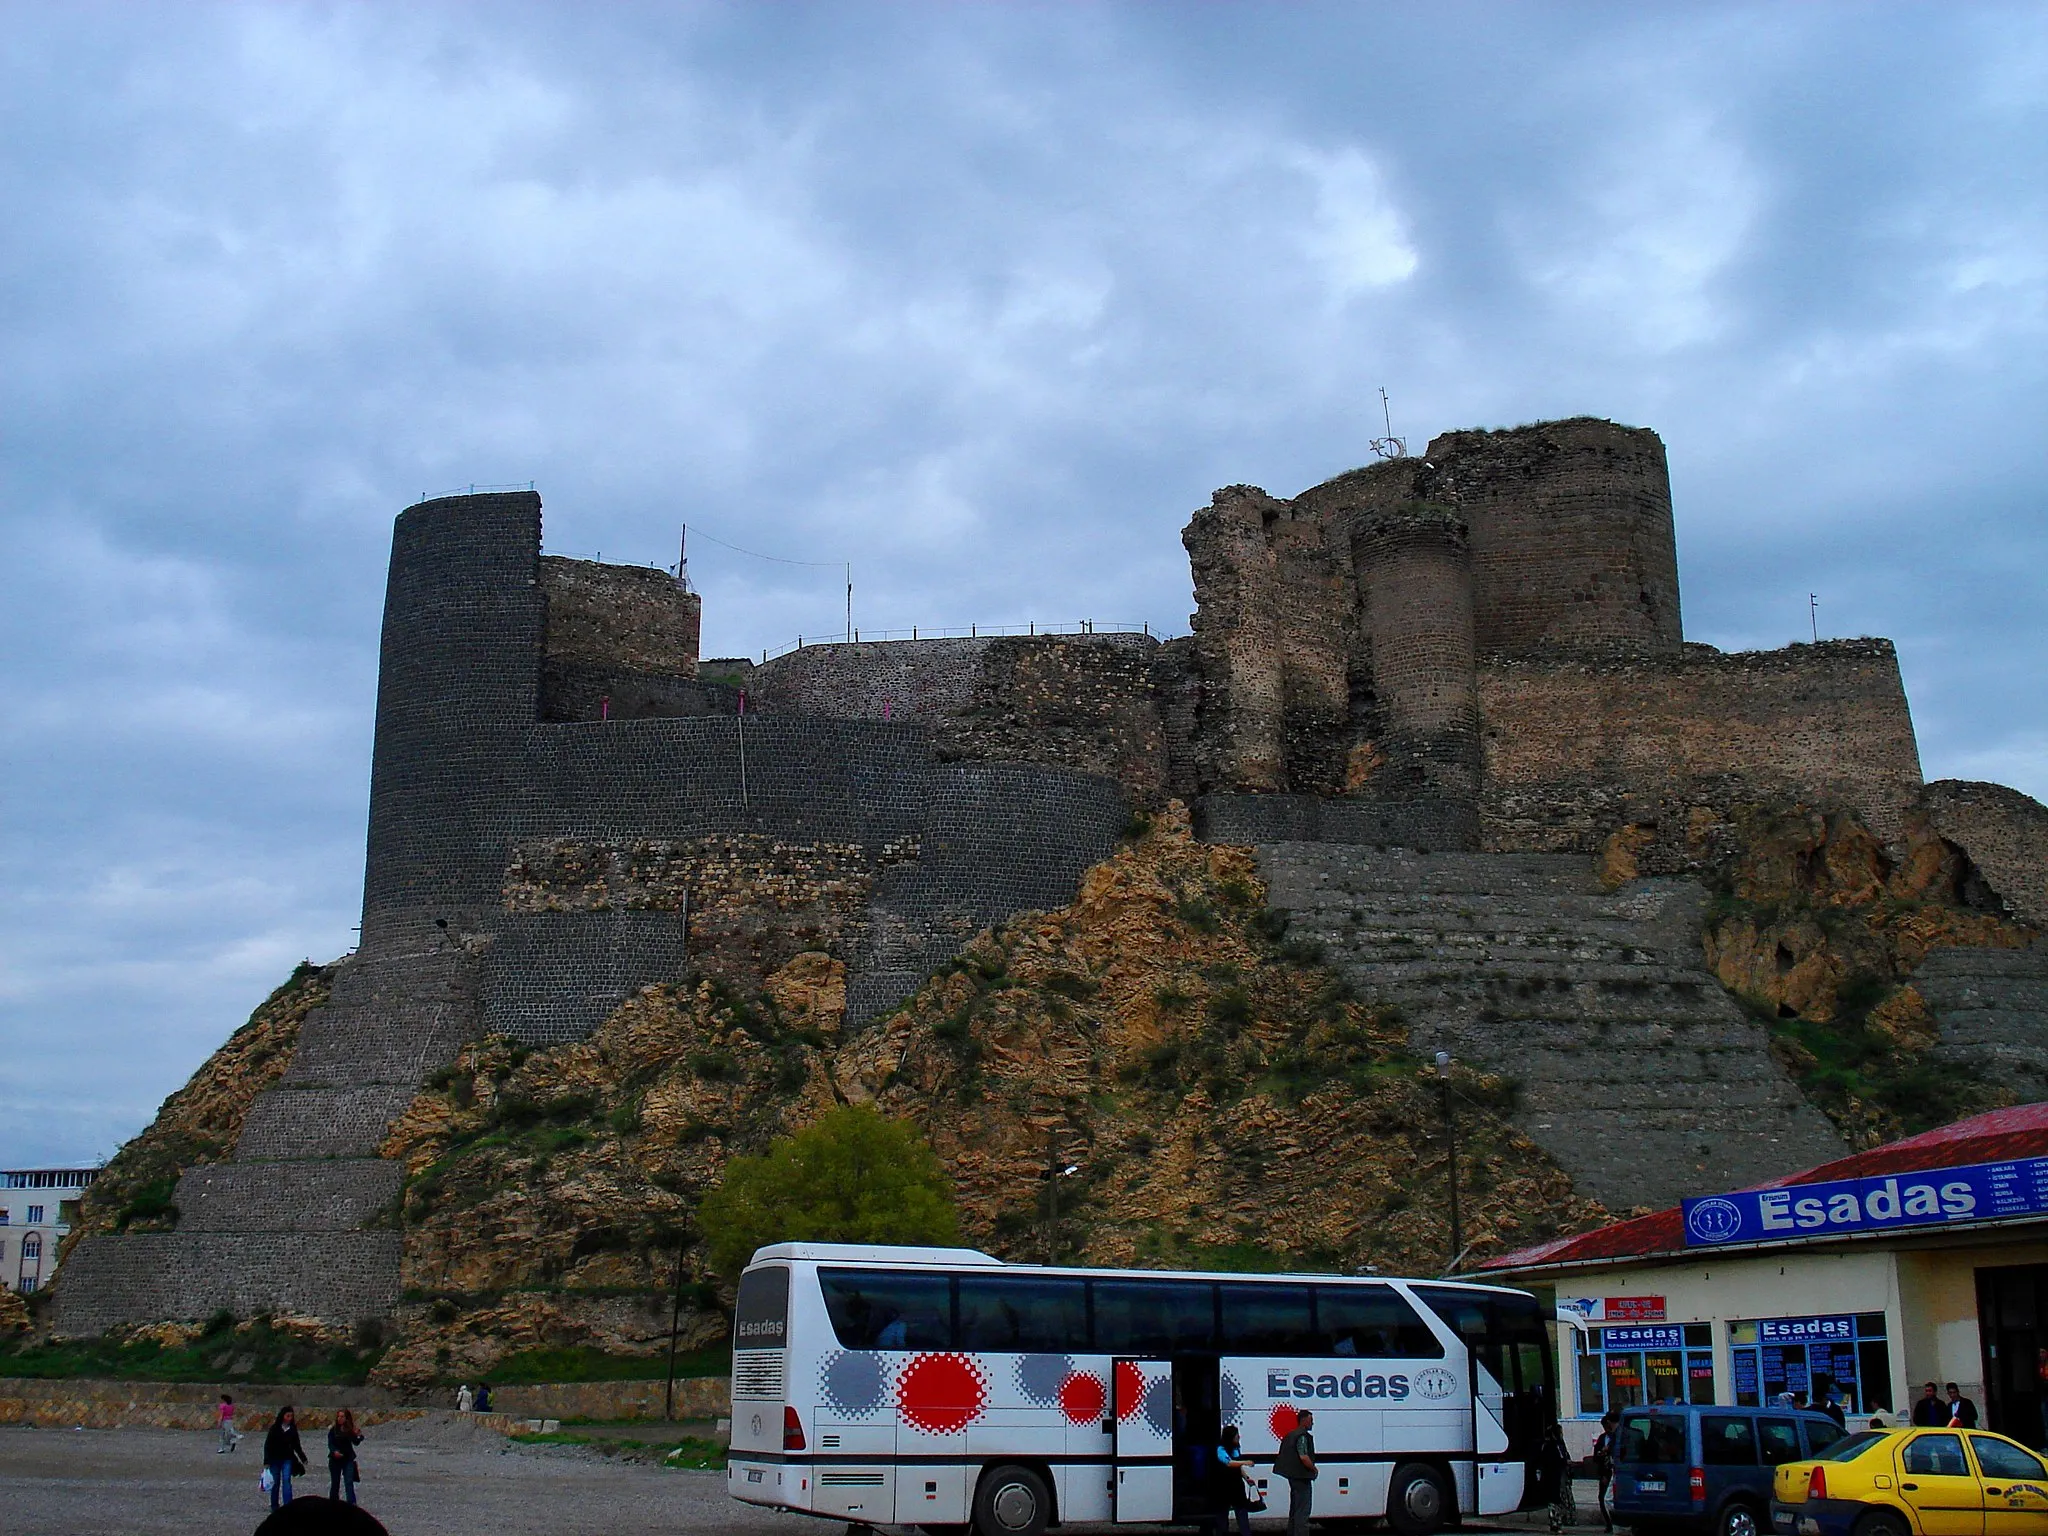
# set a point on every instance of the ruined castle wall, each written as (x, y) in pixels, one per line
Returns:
(1574, 747)
(621, 643)
(2004, 832)
(872, 679)
(1415, 584)
(1086, 702)
(1275, 634)
(458, 683)
(1572, 539)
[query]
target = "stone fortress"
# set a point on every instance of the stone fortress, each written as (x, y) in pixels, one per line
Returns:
(1431, 693)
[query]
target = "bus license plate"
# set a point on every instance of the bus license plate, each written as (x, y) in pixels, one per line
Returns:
(1649, 1485)
(753, 1474)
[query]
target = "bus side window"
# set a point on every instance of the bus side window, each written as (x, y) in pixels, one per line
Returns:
(1371, 1321)
(1153, 1317)
(878, 1309)
(1023, 1313)
(1267, 1320)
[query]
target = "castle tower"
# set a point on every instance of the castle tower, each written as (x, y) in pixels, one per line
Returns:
(459, 675)
(1572, 541)
(1414, 568)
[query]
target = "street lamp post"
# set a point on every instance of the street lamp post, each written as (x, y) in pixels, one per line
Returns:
(1443, 1077)
(1054, 1172)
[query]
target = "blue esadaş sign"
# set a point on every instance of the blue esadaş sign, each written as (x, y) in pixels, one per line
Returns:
(1976, 1192)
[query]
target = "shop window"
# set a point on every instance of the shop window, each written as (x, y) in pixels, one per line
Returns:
(1782, 1359)
(1629, 1367)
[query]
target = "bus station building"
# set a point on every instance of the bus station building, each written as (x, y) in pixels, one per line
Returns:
(1922, 1260)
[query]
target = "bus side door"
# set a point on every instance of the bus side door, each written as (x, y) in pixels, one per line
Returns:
(1141, 1396)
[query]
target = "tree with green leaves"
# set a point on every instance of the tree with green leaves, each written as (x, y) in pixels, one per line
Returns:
(851, 1177)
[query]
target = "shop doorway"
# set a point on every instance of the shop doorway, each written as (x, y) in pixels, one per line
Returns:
(2012, 1321)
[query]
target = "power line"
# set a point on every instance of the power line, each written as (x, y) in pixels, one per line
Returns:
(778, 559)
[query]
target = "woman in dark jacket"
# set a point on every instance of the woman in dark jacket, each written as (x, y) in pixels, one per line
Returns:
(282, 1455)
(342, 1441)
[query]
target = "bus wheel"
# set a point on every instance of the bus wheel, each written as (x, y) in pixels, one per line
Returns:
(1012, 1501)
(1418, 1503)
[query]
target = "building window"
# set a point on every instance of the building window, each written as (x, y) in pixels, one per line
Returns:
(35, 1215)
(1773, 1357)
(1629, 1366)
(3, 1215)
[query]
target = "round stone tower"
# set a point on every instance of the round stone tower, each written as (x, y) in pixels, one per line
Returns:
(1572, 542)
(1414, 572)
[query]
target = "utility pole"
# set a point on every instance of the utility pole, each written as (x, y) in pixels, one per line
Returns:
(1813, 614)
(1443, 1077)
(675, 1323)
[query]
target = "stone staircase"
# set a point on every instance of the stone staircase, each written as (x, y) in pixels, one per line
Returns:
(1637, 1072)
(1992, 1005)
(302, 1220)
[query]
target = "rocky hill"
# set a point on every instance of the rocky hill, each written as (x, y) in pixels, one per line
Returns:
(1223, 1096)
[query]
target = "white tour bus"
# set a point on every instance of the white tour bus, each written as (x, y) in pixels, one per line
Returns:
(943, 1388)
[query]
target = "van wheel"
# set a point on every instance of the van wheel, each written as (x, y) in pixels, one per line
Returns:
(1012, 1501)
(1418, 1501)
(1739, 1519)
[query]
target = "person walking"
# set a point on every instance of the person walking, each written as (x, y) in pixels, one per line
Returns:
(1930, 1412)
(1603, 1465)
(1231, 1479)
(1554, 1465)
(1962, 1413)
(342, 1440)
(483, 1397)
(282, 1454)
(225, 1417)
(1297, 1463)
(464, 1398)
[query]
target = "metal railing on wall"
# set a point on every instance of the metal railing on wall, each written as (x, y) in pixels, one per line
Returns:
(958, 632)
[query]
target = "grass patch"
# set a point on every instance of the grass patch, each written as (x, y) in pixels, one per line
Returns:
(254, 1353)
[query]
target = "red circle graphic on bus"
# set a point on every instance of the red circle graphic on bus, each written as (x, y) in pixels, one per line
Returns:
(1283, 1418)
(1081, 1397)
(940, 1394)
(1130, 1389)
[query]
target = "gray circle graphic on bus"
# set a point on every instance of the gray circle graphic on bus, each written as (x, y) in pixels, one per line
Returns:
(1159, 1406)
(853, 1382)
(1040, 1377)
(1230, 1398)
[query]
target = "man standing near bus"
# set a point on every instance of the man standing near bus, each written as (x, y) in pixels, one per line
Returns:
(1297, 1463)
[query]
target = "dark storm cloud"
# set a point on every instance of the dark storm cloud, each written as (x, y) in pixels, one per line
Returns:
(985, 299)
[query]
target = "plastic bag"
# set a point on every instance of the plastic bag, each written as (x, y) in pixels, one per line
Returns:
(266, 1480)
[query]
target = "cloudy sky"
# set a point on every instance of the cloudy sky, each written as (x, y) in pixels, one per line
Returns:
(986, 298)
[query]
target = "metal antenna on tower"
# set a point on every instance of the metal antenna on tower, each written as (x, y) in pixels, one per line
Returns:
(683, 559)
(1390, 446)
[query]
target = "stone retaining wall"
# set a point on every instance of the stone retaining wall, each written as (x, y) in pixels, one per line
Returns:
(91, 1404)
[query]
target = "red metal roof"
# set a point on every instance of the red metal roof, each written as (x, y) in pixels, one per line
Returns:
(2021, 1131)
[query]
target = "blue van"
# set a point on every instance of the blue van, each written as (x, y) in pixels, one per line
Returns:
(1708, 1469)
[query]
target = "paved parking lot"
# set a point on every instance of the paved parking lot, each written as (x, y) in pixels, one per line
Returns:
(438, 1477)
(420, 1479)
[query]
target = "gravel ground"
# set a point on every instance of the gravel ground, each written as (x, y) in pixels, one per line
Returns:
(432, 1477)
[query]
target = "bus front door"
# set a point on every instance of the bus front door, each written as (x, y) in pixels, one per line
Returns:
(1142, 1402)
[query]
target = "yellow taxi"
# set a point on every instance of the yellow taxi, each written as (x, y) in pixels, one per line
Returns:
(1914, 1482)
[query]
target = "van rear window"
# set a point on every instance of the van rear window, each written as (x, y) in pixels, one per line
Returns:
(1646, 1437)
